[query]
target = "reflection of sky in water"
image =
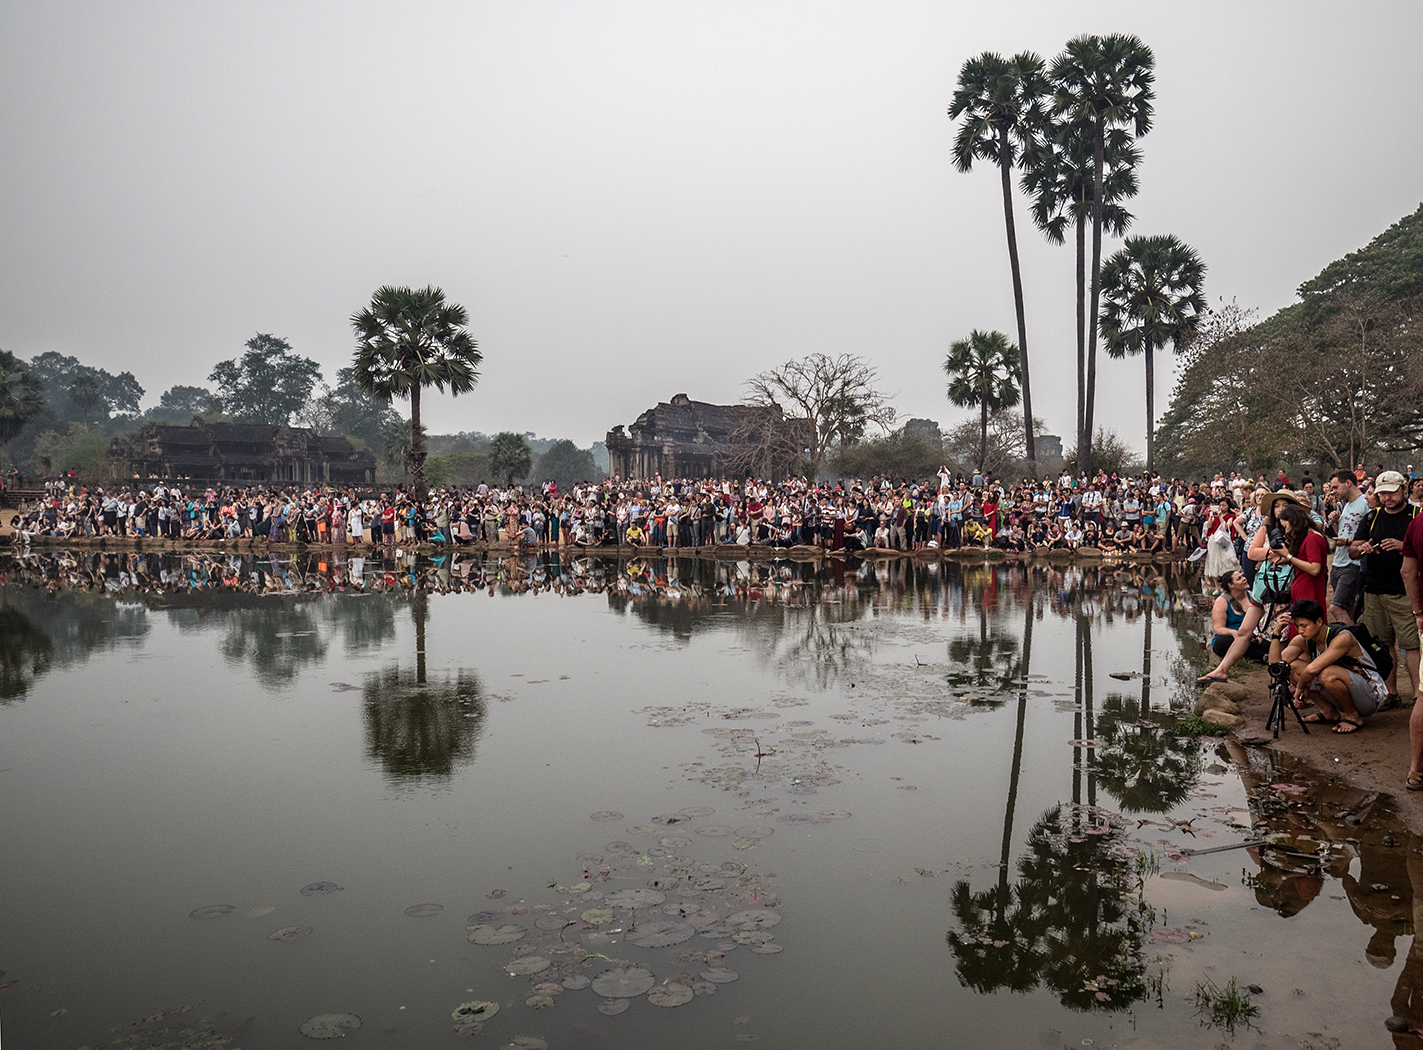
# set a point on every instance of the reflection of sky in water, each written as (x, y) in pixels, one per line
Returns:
(196, 743)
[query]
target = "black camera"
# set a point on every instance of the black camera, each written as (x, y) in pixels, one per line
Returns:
(1279, 671)
(1277, 538)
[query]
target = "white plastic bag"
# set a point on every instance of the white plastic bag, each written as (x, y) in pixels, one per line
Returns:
(1220, 553)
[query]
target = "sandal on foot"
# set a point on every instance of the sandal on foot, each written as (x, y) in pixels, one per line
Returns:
(1414, 781)
(1354, 727)
(1317, 719)
(1205, 678)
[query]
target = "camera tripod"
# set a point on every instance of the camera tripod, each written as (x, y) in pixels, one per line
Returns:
(1280, 691)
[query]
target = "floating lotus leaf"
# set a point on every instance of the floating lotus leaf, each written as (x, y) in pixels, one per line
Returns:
(483, 933)
(664, 819)
(328, 1026)
(621, 983)
(486, 918)
(636, 898)
(768, 949)
(538, 1002)
(716, 932)
(641, 829)
(527, 965)
(606, 816)
(589, 859)
(525, 1042)
(696, 812)
(743, 842)
(663, 883)
(548, 988)
(708, 882)
(613, 1007)
(755, 917)
(316, 889)
(621, 847)
(674, 842)
(801, 789)
(580, 887)
(670, 994)
(658, 851)
(719, 975)
(592, 895)
(577, 981)
(794, 818)
(753, 937)
(715, 831)
(834, 814)
(289, 933)
(703, 988)
(661, 934)
(699, 920)
(422, 911)
(211, 911)
(475, 1011)
(597, 916)
(552, 922)
(800, 722)
(756, 831)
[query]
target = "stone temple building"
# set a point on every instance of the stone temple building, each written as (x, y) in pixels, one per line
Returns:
(246, 452)
(683, 438)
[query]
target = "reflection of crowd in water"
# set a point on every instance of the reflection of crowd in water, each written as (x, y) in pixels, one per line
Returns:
(1089, 590)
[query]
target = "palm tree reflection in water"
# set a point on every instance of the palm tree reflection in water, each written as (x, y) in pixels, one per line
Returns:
(419, 730)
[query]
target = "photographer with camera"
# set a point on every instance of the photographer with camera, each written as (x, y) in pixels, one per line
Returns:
(1387, 612)
(1328, 667)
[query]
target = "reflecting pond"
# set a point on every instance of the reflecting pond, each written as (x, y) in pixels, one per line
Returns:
(256, 801)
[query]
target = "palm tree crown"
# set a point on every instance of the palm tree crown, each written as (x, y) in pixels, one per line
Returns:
(408, 339)
(982, 371)
(1152, 298)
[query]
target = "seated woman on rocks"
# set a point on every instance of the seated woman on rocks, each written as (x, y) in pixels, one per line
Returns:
(1329, 668)
(1228, 613)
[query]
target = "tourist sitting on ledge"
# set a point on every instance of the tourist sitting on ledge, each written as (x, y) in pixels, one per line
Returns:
(1227, 614)
(1329, 668)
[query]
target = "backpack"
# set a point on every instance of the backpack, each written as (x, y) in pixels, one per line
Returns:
(1377, 651)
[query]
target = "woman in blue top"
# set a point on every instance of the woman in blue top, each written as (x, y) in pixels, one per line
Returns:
(1227, 614)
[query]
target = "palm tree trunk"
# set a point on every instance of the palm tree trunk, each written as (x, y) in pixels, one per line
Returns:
(417, 451)
(1005, 166)
(1082, 440)
(1150, 406)
(1089, 699)
(418, 612)
(983, 436)
(1017, 763)
(1096, 291)
(1146, 661)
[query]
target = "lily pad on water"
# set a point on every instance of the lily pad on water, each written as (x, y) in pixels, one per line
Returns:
(715, 831)
(527, 965)
(768, 949)
(289, 933)
(577, 981)
(670, 994)
(597, 916)
(211, 911)
(328, 1026)
(755, 918)
(794, 818)
(661, 934)
(622, 983)
(486, 918)
(475, 1011)
(613, 1007)
(620, 847)
(606, 816)
(316, 889)
(539, 1002)
(506, 934)
(719, 975)
(636, 898)
(753, 937)
(696, 812)
(421, 911)
(674, 842)
(552, 922)
(756, 831)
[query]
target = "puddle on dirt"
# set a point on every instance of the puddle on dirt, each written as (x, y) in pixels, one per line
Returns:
(257, 801)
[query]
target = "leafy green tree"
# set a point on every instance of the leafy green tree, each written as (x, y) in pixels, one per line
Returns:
(179, 404)
(82, 450)
(510, 456)
(1101, 82)
(101, 395)
(21, 397)
(982, 371)
(1002, 102)
(896, 455)
(1152, 295)
(268, 384)
(406, 340)
(1058, 175)
(567, 464)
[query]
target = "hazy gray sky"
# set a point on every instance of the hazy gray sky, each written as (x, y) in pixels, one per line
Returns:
(639, 198)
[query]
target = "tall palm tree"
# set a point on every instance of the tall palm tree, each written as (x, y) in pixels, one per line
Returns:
(408, 339)
(1101, 82)
(1003, 102)
(981, 371)
(1057, 174)
(1152, 296)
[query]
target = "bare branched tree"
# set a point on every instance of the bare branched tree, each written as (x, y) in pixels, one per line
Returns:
(835, 395)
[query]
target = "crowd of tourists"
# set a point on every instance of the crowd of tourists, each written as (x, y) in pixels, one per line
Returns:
(1141, 514)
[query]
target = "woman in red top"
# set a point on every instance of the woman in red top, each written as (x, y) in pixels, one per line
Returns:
(1307, 550)
(990, 515)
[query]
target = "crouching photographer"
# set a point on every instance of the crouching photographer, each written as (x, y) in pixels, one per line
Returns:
(1329, 667)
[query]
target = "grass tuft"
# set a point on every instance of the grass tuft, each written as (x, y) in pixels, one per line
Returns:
(1225, 1006)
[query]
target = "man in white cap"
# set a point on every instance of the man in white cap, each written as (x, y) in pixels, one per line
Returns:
(1387, 612)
